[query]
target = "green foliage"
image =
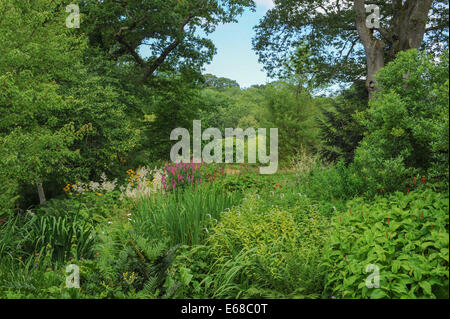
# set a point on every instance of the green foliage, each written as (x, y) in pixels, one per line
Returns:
(8, 197)
(77, 105)
(407, 122)
(127, 264)
(63, 237)
(340, 130)
(60, 118)
(333, 182)
(175, 102)
(405, 236)
(34, 142)
(219, 83)
(326, 31)
(182, 216)
(173, 32)
(68, 237)
(292, 110)
(256, 251)
(34, 277)
(241, 182)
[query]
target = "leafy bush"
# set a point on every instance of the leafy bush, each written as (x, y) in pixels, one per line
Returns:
(333, 183)
(8, 197)
(256, 252)
(407, 122)
(340, 130)
(405, 236)
(127, 264)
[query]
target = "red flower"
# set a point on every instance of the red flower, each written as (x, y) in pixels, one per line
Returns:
(424, 180)
(388, 220)
(414, 180)
(408, 191)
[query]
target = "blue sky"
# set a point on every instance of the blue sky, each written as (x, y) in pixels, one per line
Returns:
(235, 58)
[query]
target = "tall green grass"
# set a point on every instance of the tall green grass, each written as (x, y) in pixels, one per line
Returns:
(183, 216)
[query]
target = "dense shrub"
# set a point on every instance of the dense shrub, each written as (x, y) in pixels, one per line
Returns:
(8, 197)
(257, 251)
(405, 235)
(340, 130)
(407, 122)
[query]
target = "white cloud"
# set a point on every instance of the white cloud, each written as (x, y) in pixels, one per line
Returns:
(265, 3)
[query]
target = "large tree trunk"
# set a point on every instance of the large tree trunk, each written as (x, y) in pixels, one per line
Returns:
(40, 191)
(373, 47)
(375, 61)
(409, 24)
(406, 32)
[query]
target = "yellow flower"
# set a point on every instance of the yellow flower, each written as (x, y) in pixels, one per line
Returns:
(99, 194)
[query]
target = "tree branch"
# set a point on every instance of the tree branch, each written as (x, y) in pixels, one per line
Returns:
(132, 50)
(363, 31)
(150, 69)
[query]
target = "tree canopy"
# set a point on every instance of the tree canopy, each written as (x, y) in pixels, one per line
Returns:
(158, 35)
(337, 42)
